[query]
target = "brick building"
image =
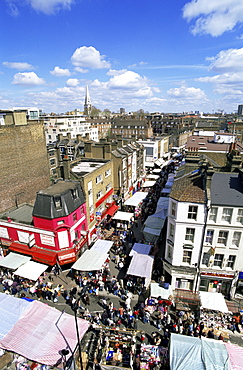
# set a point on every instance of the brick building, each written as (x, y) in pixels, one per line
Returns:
(24, 164)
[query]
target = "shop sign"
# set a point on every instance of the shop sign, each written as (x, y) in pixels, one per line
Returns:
(217, 274)
(241, 275)
(66, 256)
(91, 217)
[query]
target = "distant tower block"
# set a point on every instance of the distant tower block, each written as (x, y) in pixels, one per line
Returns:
(87, 103)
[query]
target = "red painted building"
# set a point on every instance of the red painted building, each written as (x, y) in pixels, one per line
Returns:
(54, 230)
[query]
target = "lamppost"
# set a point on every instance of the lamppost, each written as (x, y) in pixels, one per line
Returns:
(75, 309)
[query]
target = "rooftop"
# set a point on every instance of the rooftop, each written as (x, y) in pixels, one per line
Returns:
(227, 190)
(22, 214)
(188, 188)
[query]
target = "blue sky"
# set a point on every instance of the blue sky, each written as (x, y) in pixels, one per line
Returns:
(156, 55)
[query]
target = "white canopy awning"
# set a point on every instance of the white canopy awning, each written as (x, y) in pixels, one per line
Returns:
(152, 177)
(213, 301)
(102, 245)
(148, 184)
(14, 260)
(91, 260)
(140, 248)
(159, 161)
(141, 265)
(157, 170)
(136, 198)
(158, 291)
(31, 270)
(123, 216)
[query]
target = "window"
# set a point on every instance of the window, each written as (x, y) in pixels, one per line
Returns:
(231, 261)
(58, 202)
(169, 252)
(227, 214)
(60, 222)
(209, 236)
(172, 230)
(98, 179)
(222, 238)
(218, 260)
(52, 162)
(240, 216)
(74, 217)
(236, 239)
(192, 212)
(99, 194)
(75, 193)
(213, 214)
(107, 172)
(190, 234)
(173, 209)
(108, 187)
(187, 256)
(205, 259)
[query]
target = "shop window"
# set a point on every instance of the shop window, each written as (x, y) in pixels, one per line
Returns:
(192, 212)
(190, 234)
(218, 260)
(222, 238)
(183, 284)
(213, 214)
(227, 215)
(187, 256)
(231, 261)
(209, 236)
(240, 216)
(236, 239)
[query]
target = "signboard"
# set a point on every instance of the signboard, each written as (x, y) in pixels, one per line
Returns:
(241, 275)
(4, 233)
(217, 274)
(47, 240)
(63, 239)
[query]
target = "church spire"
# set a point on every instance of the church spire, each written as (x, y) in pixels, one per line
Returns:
(87, 103)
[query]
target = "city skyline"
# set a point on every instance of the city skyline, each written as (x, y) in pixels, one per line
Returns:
(157, 55)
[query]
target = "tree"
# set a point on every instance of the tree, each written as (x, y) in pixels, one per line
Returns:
(95, 111)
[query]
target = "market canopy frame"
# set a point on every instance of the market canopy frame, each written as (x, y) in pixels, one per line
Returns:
(13, 260)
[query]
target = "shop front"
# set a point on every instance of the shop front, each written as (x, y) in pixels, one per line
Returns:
(213, 281)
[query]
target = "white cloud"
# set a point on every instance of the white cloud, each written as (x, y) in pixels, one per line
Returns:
(225, 78)
(81, 70)
(72, 82)
(184, 92)
(227, 60)
(213, 17)
(89, 57)
(27, 78)
(59, 72)
(128, 80)
(116, 72)
(21, 66)
(50, 6)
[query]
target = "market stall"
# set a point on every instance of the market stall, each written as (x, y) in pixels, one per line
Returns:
(213, 301)
(153, 226)
(37, 331)
(136, 199)
(123, 216)
(116, 348)
(91, 260)
(102, 246)
(31, 270)
(140, 248)
(152, 355)
(13, 260)
(148, 184)
(157, 291)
